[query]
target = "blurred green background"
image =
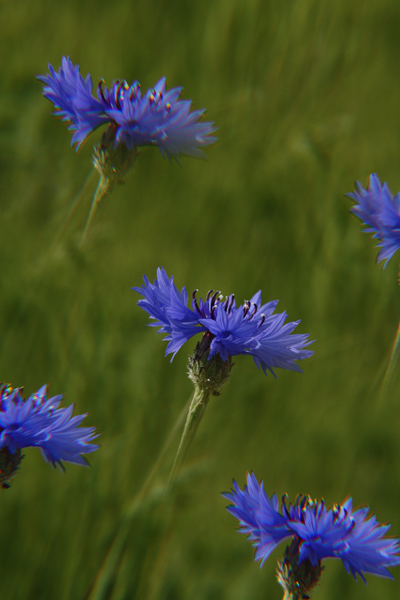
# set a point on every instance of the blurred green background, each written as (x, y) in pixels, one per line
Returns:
(306, 94)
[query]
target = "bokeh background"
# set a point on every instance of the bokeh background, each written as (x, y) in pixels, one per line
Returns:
(306, 95)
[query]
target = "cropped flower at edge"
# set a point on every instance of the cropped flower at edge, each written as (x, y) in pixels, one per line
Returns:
(318, 532)
(157, 118)
(249, 329)
(379, 212)
(39, 422)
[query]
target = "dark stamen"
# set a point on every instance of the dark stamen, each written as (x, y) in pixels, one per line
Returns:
(246, 307)
(254, 311)
(119, 94)
(116, 88)
(135, 87)
(214, 297)
(100, 89)
(194, 302)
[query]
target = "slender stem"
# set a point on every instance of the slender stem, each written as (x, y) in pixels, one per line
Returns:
(75, 205)
(197, 409)
(107, 571)
(104, 186)
(392, 364)
(291, 596)
(147, 485)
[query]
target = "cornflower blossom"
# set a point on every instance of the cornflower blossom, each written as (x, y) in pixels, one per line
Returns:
(379, 212)
(228, 330)
(39, 422)
(317, 533)
(157, 118)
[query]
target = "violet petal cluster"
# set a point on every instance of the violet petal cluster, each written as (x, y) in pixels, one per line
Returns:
(251, 329)
(353, 536)
(156, 118)
(38, 421)
(379, 211)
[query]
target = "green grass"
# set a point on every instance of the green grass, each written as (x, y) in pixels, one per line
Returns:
(306, 94)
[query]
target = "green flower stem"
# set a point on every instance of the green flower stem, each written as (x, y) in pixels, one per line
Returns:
(197, 409)
(107, 572)
(386, 390)
(104, 187)
(292, 596)
(75, 205)
(113, 165)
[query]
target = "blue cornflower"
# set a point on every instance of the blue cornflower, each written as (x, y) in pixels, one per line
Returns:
(157, 118)
(39, 422)
(228, 330)
(317, 532)
(379, 211)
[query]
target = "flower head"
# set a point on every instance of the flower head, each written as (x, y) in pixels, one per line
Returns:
(317, 532)
(156, 118)
(228, 330)
(379, 212)
(39, 422)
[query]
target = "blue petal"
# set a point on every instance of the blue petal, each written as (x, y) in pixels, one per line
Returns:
(379, 212)
(353, 537)
(249, 329)
(39, 422)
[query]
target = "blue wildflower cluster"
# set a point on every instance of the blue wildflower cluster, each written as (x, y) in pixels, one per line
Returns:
(314, 531)
(39, 422)
(319, 532)
(379, 212)
(228, 330)
(157, 118)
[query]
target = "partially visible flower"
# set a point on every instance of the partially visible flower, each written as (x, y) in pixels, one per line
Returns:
(157, 118)
(228, 330)
(258, 517)
(73, 100)
(318, 532)
(379, 212)
(39, 422)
